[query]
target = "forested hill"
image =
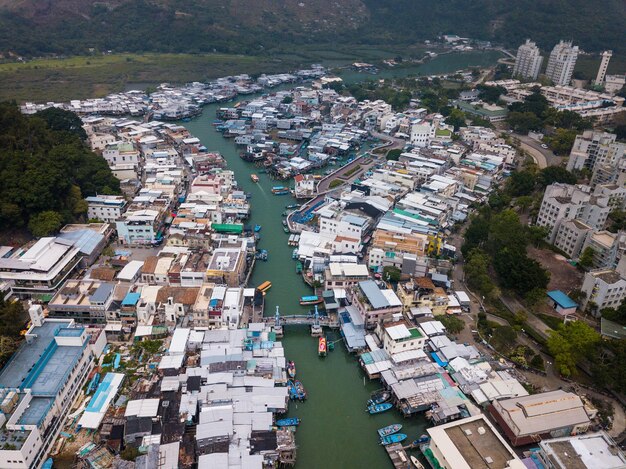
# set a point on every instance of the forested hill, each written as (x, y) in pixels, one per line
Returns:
(46, 169)
(37, 27)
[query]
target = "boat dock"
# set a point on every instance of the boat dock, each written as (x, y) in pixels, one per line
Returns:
(398, 455)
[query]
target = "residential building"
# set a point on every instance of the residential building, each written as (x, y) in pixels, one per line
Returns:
(571, 236)
(38, 386)
(561, 63)
(604, 65)
(400, 336)
(603, 288)
(422, 133)
(605, 249)
(600, 153)
(590, 451)
(228, 265)
(614, 83)
(470, 443)
(107, 208)
(345, 274)
(140, 227)
(82, 300)
(530, 419)
(373, 303)
(568, 202)
(528, 61)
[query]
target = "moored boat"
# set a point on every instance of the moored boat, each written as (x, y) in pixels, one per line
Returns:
(389, 429)
(395, 438)
(291, 369)
(379, 397)
(416, 462)
(292, 206)
(310, 300)
(321, 347)
(264, 286)
(378, 408)
(296, 390)
(254, 178)
(289, 422)
(257, 228)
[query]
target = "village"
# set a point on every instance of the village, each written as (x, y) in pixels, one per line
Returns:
(149, 346)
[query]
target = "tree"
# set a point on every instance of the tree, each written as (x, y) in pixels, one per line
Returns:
(521, 183)
(537, 234)
(553, 174)
(537, 362)
(617, 221)
(562, 141)
(394, 154)
(570, 343)
(287, 100)
(524, 122)
(130, 453)
(535, 296)
(45, 223)
(518, 272)
(392, 273)
(456, 119)
(476, 270)
(63, 121)
(585, 261)
(523, 202)
(503, 338)
(12, 318)
(491, 94)
(452, 324)
(506, 231)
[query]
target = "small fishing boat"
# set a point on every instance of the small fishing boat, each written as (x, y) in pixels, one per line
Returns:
(286, 230)
(257, 228)
(261, 254)
(416, 462)
(285, 213)
(389, 429)
(395, 438)
(379, 397)
(321, 347)
(378, 408)
(296, 390)
(289, 422)
(280, 190)
(310, 300)
(421, 440)
(292, 206)
(248, 195)
(254, 178)
(264, 286)
(291, 369)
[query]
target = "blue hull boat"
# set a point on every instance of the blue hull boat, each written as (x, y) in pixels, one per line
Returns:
(395, 438)
(290, 422)
(296, 390)
(257, 228)
(389, 429)
(378, 408)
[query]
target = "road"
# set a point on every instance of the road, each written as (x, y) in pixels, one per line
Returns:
(324, 184)
(393, 143)
(542, 156)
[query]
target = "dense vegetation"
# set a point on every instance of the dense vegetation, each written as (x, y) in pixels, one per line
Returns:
(12, 321)
(73, 27)
(46, 170)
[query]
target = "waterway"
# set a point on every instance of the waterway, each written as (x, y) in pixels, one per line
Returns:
(336, 431)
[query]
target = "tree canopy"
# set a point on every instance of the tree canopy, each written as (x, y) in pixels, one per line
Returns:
(46, 170)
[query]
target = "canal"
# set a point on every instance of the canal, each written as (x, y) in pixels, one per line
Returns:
(336, 431)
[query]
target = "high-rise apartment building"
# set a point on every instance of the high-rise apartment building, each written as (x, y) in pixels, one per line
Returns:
(528, 61)
(604, 65)
(561, 63)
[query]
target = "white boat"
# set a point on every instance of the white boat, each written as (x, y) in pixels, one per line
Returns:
(416, 462)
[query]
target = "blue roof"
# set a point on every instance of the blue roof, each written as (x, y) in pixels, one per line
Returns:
(373, 294)
(131, 299)
(562, 299)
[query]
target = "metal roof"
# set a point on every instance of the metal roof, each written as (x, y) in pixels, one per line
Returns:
(562, 299)
(373, 294)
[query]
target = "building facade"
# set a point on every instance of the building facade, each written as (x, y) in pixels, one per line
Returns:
(562, 62)
(528, 61)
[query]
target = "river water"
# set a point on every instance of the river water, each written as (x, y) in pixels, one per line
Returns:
(336, 431)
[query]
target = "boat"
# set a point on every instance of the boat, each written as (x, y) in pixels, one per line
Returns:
(292, 206)
(390, 429)
(421, 440)
(321, 347)
(291, 369)
(395, 438)
(283, 192)
(280, 190)
(248, 195)
(289, 422)
(296, 390)
(264, 286)
(257, 228)
(379, 397)
(261, 254)
(286, 230)
(254, 178)
(378, 408)
(310, 300)
(416, 462)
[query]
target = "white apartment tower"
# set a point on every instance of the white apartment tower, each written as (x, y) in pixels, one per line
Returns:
(604, 65)
(562, 62)
(528, 61)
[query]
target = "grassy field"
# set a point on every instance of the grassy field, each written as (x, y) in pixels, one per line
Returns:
(61, 79)
(93, 76)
